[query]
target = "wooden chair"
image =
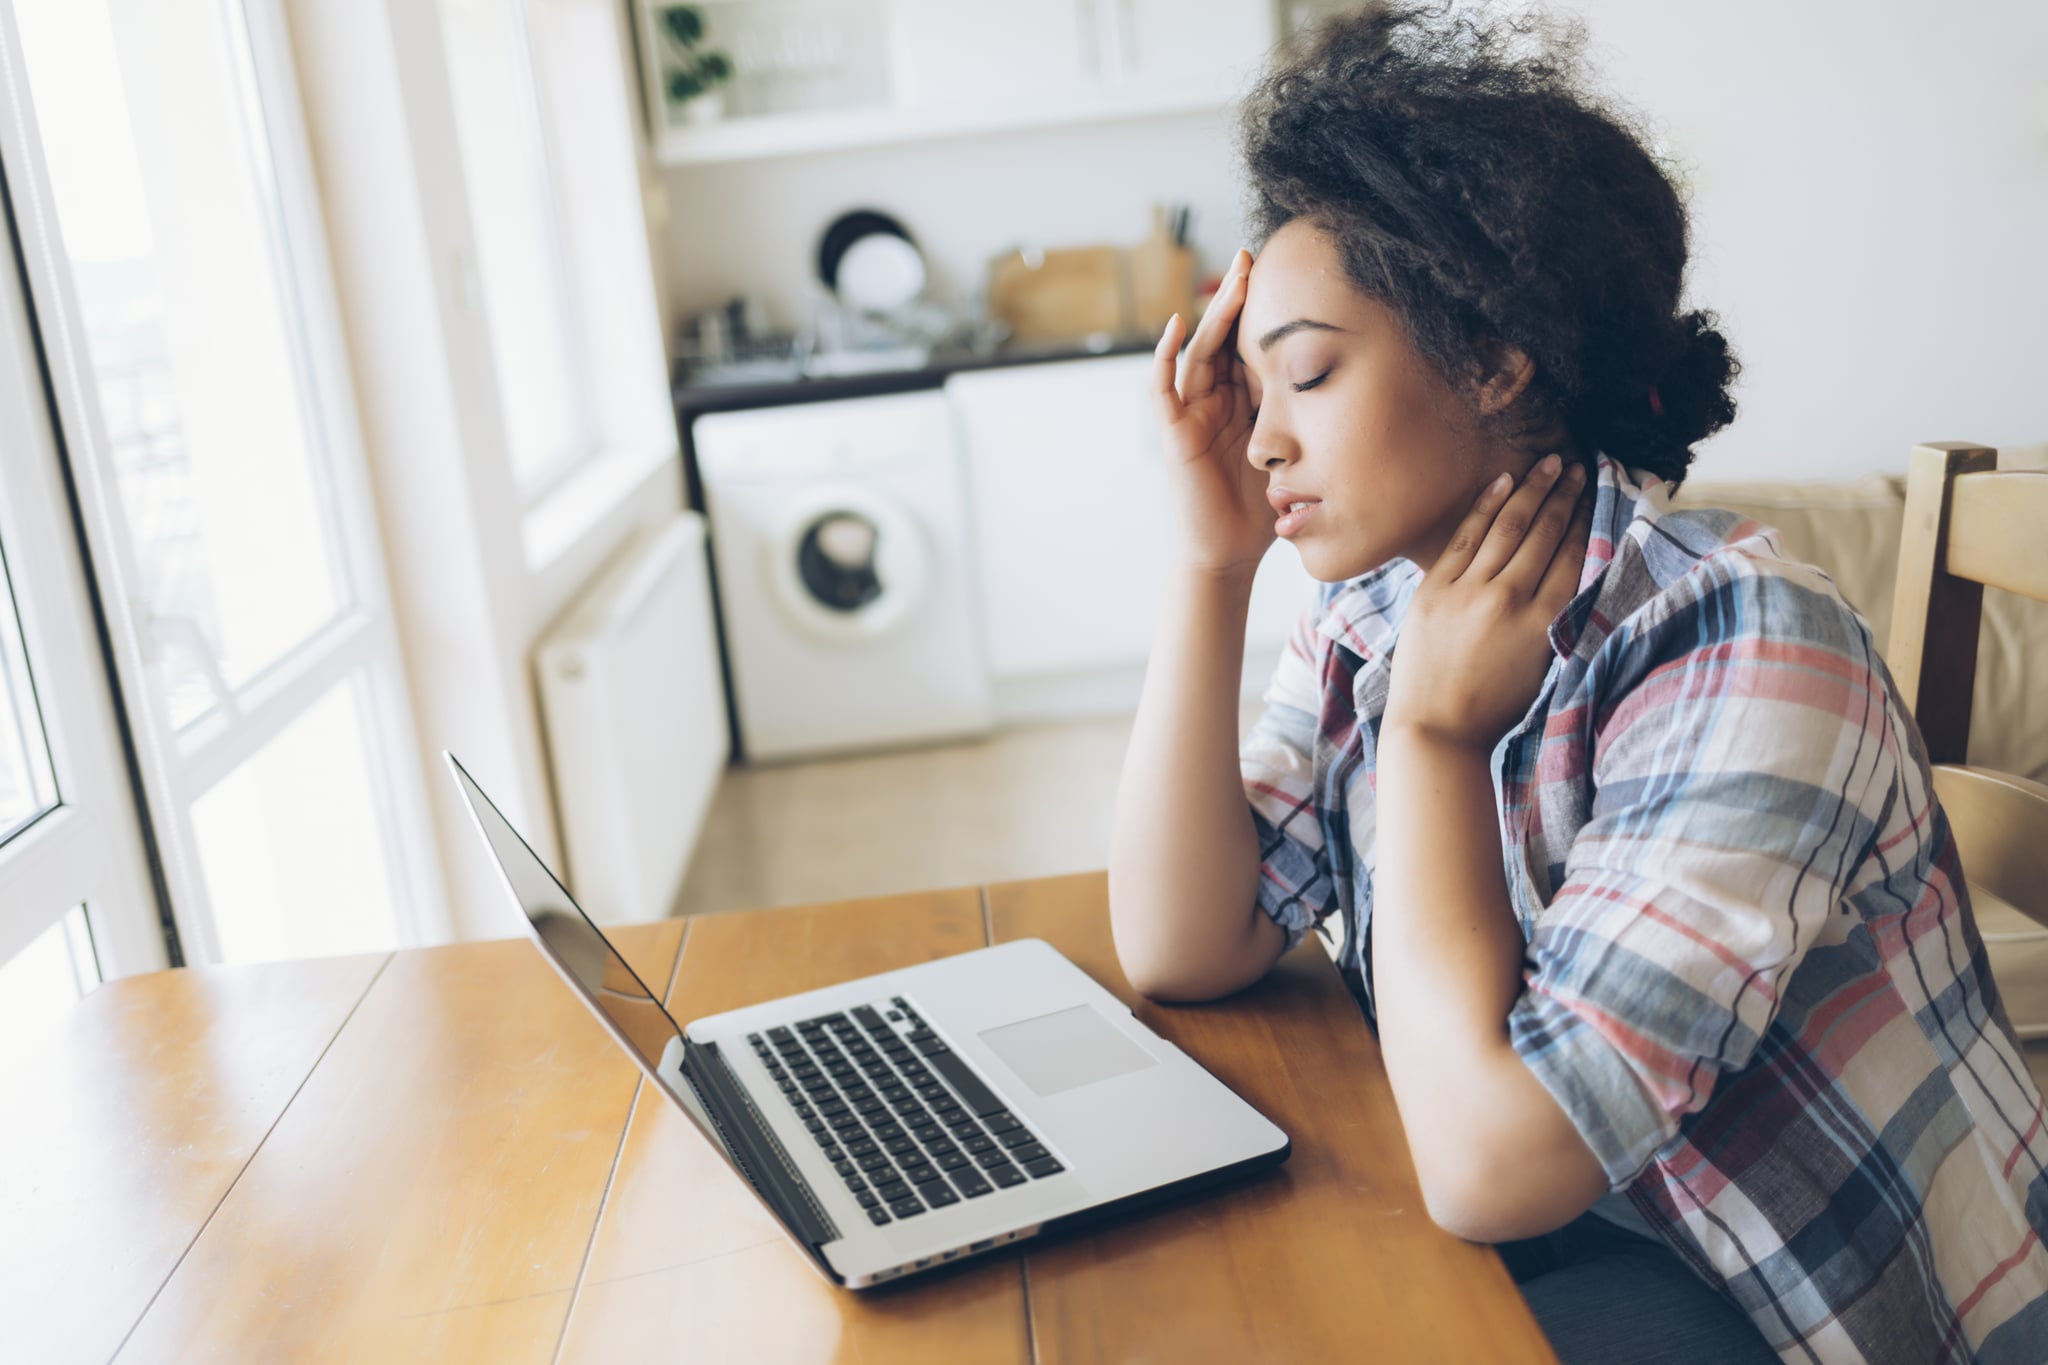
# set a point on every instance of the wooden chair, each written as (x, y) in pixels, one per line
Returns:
(1968, 526)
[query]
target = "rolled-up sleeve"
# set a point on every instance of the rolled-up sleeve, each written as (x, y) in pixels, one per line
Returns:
(1277, 761)
(1739, 779)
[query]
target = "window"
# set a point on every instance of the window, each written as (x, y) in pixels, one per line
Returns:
(57, 968)
(28, 788)
(203, 386)
(520, 258)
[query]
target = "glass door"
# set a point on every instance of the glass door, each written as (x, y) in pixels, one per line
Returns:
(76, 897)
(173, 246)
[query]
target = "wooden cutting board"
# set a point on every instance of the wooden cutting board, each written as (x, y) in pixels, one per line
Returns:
(1071, 292)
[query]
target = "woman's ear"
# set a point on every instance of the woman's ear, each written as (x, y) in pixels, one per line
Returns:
(1504, 374)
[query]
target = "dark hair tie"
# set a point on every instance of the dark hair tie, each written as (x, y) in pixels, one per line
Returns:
(1656, 403)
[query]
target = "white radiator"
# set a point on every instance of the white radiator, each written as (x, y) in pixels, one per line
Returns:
(636, 723)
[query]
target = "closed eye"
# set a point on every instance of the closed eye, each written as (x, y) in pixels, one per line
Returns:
(1306, 385)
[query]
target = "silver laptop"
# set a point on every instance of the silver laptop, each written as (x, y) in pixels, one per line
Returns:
(912, 1118)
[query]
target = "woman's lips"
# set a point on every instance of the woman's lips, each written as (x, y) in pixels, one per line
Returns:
(1294, 515)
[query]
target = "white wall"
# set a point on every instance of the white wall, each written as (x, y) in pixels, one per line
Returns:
(1871, 199)
(753, 227)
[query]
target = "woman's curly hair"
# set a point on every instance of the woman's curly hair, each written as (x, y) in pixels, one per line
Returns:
(1477, 188)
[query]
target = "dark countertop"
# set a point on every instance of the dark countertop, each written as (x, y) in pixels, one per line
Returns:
(691, 399)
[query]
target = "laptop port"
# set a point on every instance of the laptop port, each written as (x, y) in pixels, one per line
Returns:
(983, 1245)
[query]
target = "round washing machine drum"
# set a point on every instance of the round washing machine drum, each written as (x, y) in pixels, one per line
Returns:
(847, 564)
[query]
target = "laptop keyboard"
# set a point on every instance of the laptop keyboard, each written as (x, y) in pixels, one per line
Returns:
(904, 1121)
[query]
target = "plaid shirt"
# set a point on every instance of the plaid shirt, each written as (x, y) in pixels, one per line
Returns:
(1752, 979)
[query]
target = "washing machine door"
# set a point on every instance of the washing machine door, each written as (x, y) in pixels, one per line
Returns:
(847, 564)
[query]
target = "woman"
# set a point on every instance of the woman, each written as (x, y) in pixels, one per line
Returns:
(1630, 839)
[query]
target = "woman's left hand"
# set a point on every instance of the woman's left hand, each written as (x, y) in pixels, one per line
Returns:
(1474, 646)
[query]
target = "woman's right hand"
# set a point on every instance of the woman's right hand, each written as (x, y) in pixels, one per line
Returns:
(1225, 524)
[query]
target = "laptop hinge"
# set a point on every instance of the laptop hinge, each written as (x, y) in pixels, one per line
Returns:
(760, 1156)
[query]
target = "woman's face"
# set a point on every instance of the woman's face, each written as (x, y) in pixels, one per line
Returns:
(1351, 419)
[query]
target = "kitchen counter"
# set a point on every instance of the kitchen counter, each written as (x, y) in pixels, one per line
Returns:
(692, 398)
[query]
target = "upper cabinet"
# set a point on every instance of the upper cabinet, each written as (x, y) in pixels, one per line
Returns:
(735, 79)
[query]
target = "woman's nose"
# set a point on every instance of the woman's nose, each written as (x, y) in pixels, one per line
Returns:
(1267, 451)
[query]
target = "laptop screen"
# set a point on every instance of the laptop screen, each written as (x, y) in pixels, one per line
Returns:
(583, 953)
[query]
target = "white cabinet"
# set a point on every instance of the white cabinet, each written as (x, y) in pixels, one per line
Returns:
(815, 75)
(1071, 526)
(953, 53)
(1174, 44)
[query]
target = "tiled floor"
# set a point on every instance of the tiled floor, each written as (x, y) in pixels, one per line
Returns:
(1022, 803)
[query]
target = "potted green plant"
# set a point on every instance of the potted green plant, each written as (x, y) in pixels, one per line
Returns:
(691, 73)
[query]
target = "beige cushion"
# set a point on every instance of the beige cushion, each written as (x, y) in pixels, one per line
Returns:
(1851, 530)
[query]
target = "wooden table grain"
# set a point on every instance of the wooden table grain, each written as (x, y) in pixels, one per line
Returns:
(435, 1155)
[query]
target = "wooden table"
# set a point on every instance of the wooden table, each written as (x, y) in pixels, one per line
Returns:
(436, 1155)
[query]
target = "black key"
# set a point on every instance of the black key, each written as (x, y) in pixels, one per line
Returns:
(918, 1172)
(815, 1124)
(980, 1144)
(1016, 1137)
(877, 1217)
(934, 1050)
(843, 1166)
(808, 1027)
(963, 1130)
(833, 1020)
(953, 1161)
(790, 1088)
(941, 1146)
(893, 1191)
(932, 1090)
(827, 1138)
(915, 1116)
(855, 1183)
(803, 1110)
(948, 1113)
(988, 1161)
(938, 1194)
(908, 1106)
(1044, 1166)
(864, 1148)
(892, 1093)
(887, 1132)
(971, 1182)
(854, 1088)
(835, 1153)
(1001, 1121)
(755, 1038)
(781, 1035)
(906, 1208)
(875, 1161)
(870, 1105)
(1005, 1175)
(923, 1035)
(1027, 1154)
(868, 1199)
(925, 1132)
(898, 1146)
(878, 1071)
(865, 1015)
(838, 1068)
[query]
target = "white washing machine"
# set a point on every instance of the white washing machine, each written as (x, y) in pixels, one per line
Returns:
(839, 532)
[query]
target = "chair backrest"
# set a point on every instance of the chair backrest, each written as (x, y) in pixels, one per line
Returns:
(1968, 526)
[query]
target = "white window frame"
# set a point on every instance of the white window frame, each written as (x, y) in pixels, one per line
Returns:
(178, 769)
(89, 849)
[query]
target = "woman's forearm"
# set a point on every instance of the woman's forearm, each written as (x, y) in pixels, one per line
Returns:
(1184, 859)
(1496, 1157)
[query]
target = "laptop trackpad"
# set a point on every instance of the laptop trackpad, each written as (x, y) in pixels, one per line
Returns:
(1069, 1048)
